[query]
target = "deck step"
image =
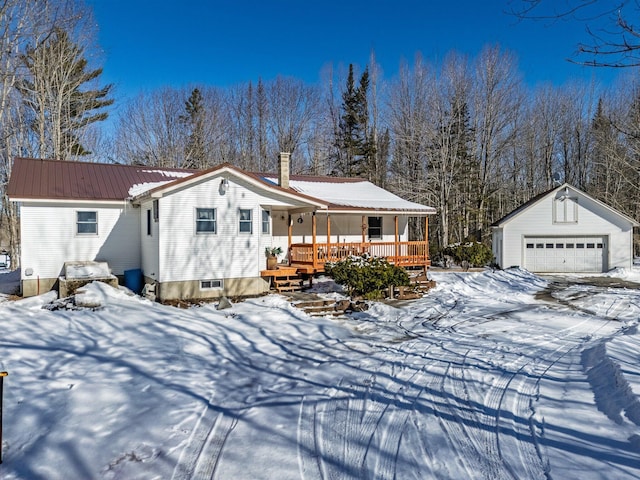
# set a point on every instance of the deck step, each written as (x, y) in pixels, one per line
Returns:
(323, 308)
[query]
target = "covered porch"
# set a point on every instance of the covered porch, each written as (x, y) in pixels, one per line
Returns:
(310, 257)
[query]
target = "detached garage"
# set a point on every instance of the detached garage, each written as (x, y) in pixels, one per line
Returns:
(564, 231)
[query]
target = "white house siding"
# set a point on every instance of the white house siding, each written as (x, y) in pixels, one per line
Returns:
(344, 228)
(594, 221)
(185, 255)
(49, 237)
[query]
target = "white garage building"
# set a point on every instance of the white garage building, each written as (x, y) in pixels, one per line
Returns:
(563, 231)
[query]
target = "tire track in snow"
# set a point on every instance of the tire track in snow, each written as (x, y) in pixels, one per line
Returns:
(514, 409)
(357, 435)
(200, 457)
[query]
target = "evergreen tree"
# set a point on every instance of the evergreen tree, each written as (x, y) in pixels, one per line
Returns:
(195, 150)
(355, 141)
(55, 94)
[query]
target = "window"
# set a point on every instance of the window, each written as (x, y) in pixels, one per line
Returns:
(266, 221)
(579, 245)
(599, 245)
(205, 220)
(245, 223)
(539, 245)
(529, 245)
(375, 228)
(211, 284)
(559, 245)
(565, 210)
(87, 223)
(549, 245)
(156, 211)
(148, 222)
(591, 245)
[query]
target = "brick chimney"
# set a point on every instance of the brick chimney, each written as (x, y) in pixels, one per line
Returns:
(283, 169)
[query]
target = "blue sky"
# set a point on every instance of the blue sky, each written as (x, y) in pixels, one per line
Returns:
(153, 43)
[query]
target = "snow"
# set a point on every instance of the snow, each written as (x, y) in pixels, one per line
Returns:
(492, 375)
(356, 195)
(140, 188)
(87, 270)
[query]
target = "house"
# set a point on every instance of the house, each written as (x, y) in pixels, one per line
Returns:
(564, 230)
(201, 234)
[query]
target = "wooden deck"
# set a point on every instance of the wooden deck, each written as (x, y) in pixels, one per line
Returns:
(310, 258)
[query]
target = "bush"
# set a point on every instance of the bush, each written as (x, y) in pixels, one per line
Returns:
(475, 254)
(366, 276)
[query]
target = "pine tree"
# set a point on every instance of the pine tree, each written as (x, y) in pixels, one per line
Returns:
(55, 93)
(355, 142)
(195, 150)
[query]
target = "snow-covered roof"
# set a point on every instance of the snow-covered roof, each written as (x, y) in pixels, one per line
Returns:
(352, 193)
(37, 179)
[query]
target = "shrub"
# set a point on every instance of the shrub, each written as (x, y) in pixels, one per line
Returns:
(476, 254)
(366, 276)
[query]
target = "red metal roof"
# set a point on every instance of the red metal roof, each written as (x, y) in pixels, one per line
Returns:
(61, 180)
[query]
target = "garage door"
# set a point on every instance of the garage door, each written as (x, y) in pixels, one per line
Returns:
(565, 254)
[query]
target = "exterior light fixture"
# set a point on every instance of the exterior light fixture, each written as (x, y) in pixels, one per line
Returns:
(224, 186)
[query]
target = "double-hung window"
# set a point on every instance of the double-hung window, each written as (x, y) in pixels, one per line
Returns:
(206, 220)
(375, 228)
(266, 222)
(245, 223)
(87, 223)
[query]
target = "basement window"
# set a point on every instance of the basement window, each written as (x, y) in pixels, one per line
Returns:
(216, 284)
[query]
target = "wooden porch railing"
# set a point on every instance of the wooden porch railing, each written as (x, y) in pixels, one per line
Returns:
(404, 254)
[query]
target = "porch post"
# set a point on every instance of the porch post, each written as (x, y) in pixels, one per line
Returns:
(290, 234)
(313, 240)
(328, 257)
(364, 229)
(397, 253)
(426, 239)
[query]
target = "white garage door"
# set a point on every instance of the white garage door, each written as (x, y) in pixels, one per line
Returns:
(565, 254)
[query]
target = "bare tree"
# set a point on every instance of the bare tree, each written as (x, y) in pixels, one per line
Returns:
(149, 130)
(293, 107)
(614, 40)
(495, 106)
(23, 23)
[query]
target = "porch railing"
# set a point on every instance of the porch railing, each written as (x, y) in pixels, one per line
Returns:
(403, 254)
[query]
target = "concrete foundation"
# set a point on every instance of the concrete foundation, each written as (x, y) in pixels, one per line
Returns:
(189, 290)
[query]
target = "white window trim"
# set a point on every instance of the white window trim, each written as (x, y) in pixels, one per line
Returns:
(87, 234)
(215, 221)
(250, 221)
(219, 281)
(369, 237)
(262, 222)
(564, 204)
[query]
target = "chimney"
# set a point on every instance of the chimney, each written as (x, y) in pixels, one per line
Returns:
(283, 169)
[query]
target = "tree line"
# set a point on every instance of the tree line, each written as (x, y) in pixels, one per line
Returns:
(465, 135)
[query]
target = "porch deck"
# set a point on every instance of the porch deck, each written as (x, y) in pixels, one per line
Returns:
(311, 257)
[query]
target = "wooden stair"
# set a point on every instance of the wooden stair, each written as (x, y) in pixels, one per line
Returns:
(288, 284)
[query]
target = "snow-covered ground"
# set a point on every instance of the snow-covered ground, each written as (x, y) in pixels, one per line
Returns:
(482, 379)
